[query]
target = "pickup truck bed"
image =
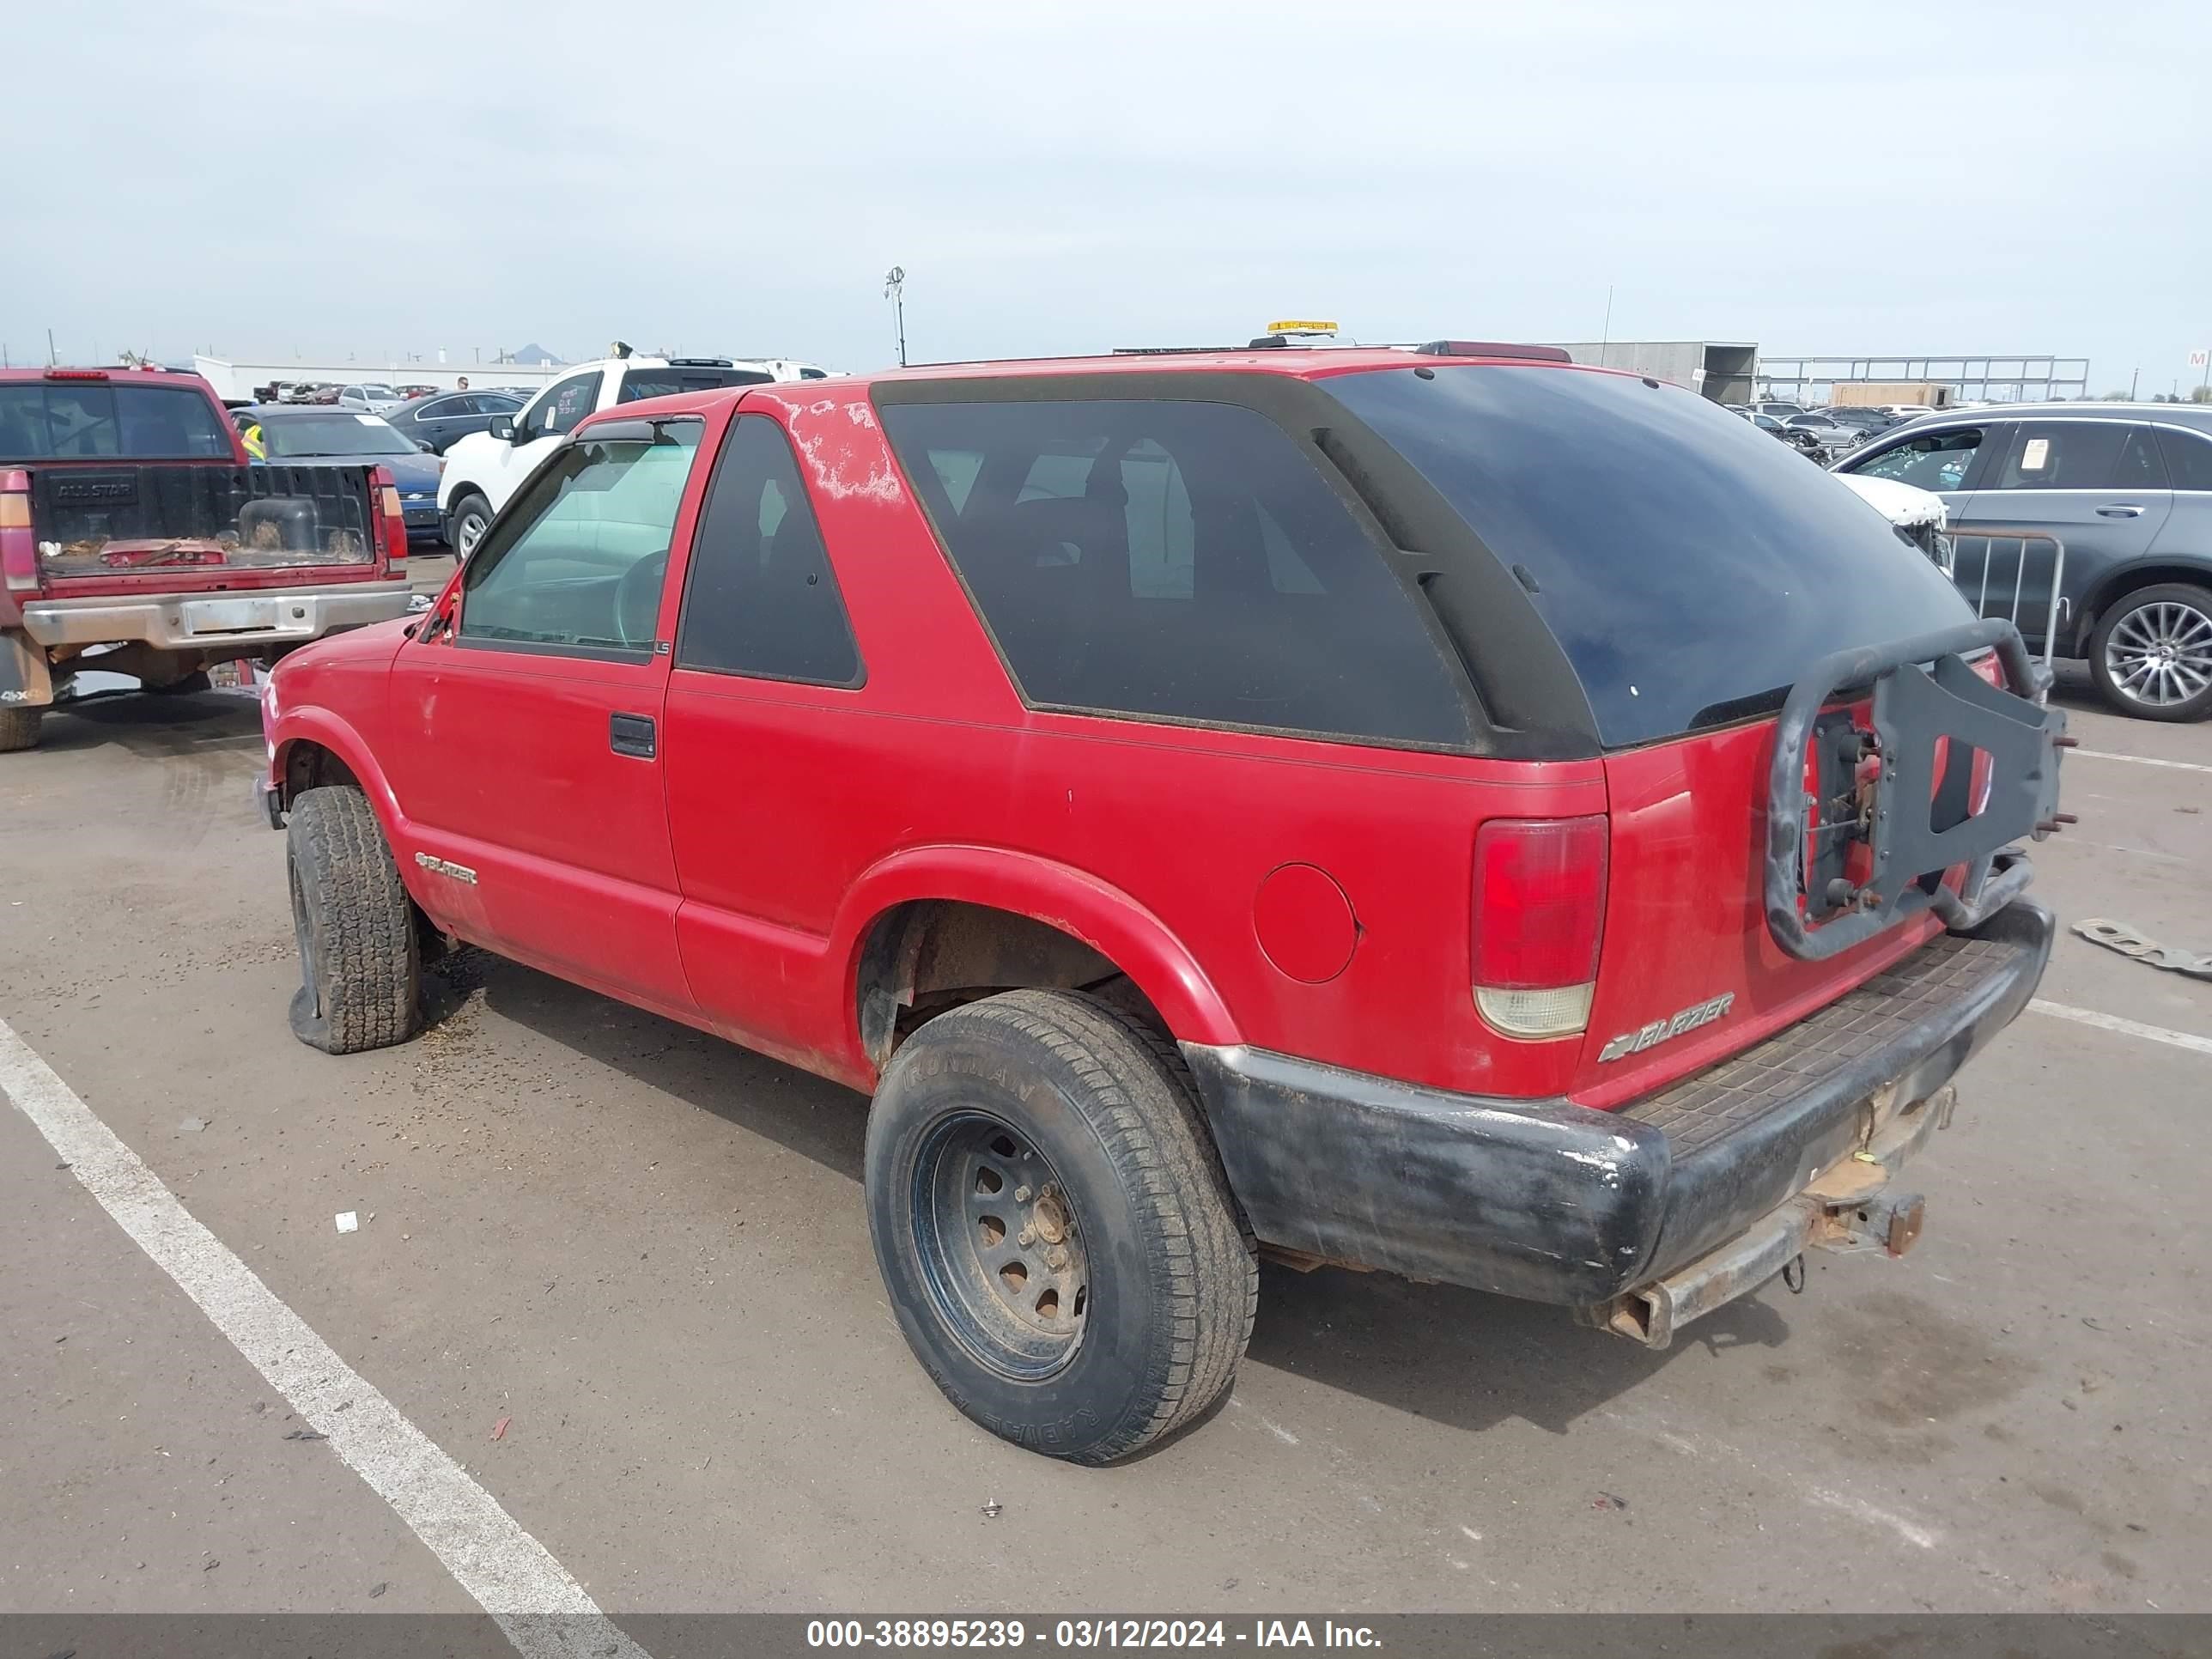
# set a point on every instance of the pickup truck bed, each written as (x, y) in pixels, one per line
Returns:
(102, 522)
(137, 535)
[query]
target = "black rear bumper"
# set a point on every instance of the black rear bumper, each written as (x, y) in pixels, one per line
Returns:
(1555, 1202)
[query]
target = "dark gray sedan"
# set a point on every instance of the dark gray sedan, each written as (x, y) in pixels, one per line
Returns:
(2127, 487)
(438, 421)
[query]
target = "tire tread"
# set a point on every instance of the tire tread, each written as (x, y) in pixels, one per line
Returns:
(367, 943)
(1144, 1106)
(19, 729)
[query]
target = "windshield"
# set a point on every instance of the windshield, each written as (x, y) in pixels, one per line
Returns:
(291, 436)
(1691, 566)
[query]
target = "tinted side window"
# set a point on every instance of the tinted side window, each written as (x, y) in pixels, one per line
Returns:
(576, 562)
(1938, 461)
(1175, 560)
(562, 407)
(2188, 459)
(761, 598)
(2081, 455)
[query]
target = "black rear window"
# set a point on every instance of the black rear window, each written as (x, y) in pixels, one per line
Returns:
(639, 384)
(94, 420)
(1180, 560)
(1690, 566)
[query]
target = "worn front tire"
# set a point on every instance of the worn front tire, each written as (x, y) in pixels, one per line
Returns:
(19, 729)
(360, 962)
(1040, 1147)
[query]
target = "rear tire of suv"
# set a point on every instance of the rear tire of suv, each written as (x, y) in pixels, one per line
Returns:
(2150, 647)
(359, 959)
(19, 729)
(466, 524)
(1061, 1249)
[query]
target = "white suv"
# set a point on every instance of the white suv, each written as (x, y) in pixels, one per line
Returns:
(484, 469)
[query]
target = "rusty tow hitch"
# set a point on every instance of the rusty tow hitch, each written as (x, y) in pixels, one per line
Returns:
(1849, 1209)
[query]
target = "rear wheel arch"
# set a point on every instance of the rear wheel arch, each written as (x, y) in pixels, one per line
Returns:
(1093, 913)
(2116, 585)
(920, 957)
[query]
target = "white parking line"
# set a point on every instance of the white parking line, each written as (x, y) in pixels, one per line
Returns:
(2134, 1028)
(2141, 760)
(543, 1611)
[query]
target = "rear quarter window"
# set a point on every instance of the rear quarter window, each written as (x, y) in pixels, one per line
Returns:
(2188, 458)
(1178, 560)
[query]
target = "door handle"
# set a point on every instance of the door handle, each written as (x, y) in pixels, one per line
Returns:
(2120, 510)
(631, 735)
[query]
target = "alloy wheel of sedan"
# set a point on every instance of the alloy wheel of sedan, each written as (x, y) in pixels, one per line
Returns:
(469, 528)
(2161, 654)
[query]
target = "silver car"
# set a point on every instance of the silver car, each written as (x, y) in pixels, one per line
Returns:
(370, 397)
(2127, 487)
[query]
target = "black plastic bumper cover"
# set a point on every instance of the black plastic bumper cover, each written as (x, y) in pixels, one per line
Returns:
(1555, 1202)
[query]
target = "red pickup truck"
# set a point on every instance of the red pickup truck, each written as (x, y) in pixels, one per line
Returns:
(137, 537)
(1474, 816)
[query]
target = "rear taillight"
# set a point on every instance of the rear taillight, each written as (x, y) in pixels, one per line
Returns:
(1538, 908)
(19, 556)
(380, 485)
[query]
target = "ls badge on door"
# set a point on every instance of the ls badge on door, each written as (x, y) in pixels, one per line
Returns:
(438, 866)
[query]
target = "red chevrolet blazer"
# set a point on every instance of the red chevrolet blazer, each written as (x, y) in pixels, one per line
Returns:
(1471, 815)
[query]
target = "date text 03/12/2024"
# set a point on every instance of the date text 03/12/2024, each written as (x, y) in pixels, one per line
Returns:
(1084, 1633)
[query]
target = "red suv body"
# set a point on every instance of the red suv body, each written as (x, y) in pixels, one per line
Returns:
(1398, 736)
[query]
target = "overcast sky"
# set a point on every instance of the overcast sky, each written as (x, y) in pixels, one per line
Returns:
(342, 176)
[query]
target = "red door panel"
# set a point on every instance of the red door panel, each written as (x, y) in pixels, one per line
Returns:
(507, 770)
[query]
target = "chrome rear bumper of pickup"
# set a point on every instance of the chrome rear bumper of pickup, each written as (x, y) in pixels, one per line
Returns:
(193, 622)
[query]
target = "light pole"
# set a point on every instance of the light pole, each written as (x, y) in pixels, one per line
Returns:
(895, 291)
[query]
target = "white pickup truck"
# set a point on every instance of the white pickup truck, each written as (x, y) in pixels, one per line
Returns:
(483, 469)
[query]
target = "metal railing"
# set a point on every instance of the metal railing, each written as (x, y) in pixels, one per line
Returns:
(2016, 574)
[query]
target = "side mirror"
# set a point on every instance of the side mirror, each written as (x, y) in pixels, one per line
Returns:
(425, 448)
(502, 426)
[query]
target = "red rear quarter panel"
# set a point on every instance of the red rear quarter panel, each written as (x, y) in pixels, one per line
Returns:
(1685, 916)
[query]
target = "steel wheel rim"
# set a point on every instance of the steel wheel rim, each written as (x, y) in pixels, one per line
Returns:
(1003, 1264)
(468, 532)
(2160, 655)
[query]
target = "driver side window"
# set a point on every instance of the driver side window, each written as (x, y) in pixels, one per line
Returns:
(575, 564)
(561, 409)
(1939, 461)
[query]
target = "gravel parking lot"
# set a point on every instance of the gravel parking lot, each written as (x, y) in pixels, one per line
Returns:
(641, 1256)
